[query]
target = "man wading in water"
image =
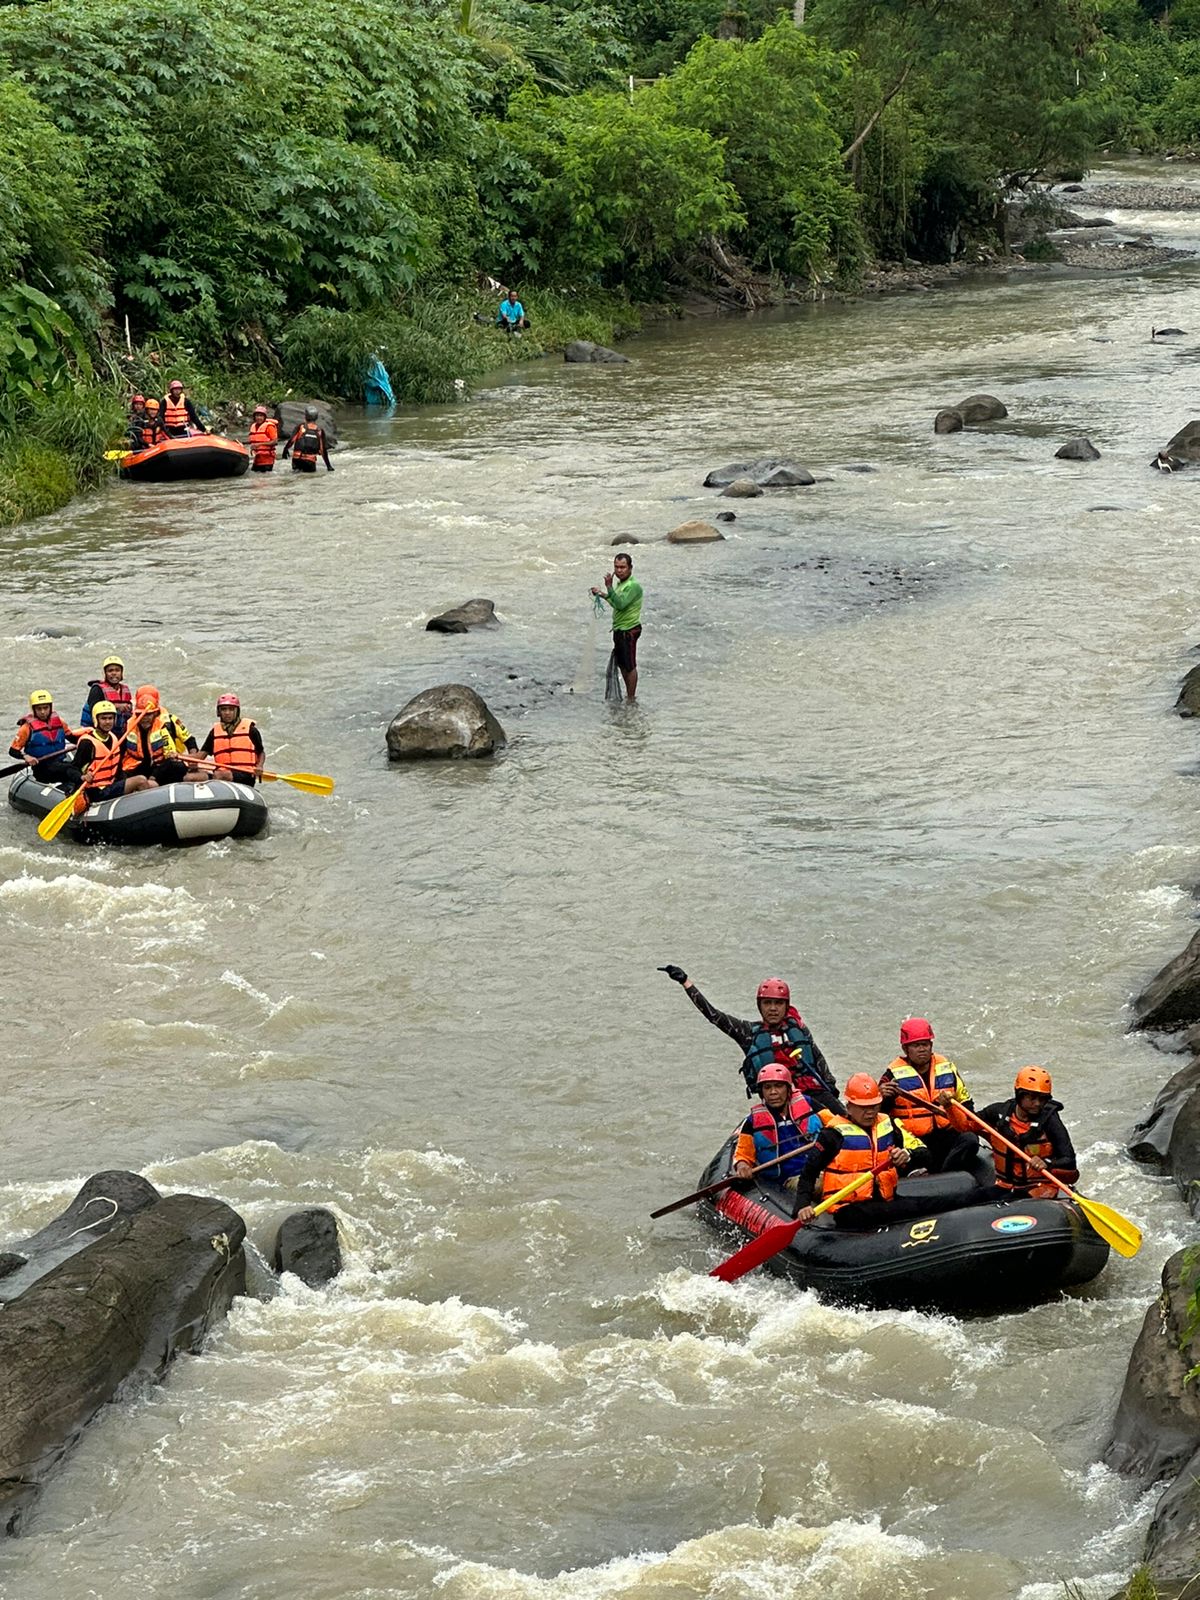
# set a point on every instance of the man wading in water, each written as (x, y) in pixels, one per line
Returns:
(624, 595)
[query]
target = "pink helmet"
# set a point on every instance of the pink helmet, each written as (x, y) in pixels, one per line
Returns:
(914, 1029)
(228, 700)
(773, 1073)
(773, 989)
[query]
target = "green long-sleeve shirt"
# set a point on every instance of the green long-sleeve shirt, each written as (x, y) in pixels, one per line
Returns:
(626, 602)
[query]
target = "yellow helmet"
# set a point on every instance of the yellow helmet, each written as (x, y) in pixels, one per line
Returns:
(41, 697)
(112, 661)
(103, 708)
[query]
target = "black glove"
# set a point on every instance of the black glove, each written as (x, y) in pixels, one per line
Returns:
(676, 974)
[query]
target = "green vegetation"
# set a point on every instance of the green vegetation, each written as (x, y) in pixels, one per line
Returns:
(275, 196)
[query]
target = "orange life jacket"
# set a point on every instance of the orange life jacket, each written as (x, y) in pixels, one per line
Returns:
(916, 1118)
(262, 442)
(1011, 1171)
(235, 749)
(158, 744)
(104, 766)
(862, 1150)
(308, 441)
(174, 413)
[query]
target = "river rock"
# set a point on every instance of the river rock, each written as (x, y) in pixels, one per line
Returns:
(448, 720)
(694, 533)
(307, 1244)
(1150, 1141)
(9, 1263)
(1173, 1541)
(1157, 1426)
(1187, 702)
(741, 489)
(769, 472)
(1079, 449)
(726, 516)
(290, 414)
(948, 422)
(978, 408)
(1185, 446)
(581, 350)
(461, 619)
(102, 1202)
(1171, 1000)
(113, 1315)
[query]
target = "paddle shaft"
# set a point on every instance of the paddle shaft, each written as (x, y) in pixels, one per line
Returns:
(1023, 1155)
(310, 782)
(725, 1183)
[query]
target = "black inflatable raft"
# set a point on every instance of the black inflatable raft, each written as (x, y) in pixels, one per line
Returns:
(180, 813)
(204, 455)
(981, 1258)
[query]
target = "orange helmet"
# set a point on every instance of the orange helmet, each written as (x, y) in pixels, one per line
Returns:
(1034, 1080)
(862, 1090)
(146, 698)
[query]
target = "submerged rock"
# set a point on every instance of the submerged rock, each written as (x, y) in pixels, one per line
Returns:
(307, 1244)
(948, 422)
(726, 516)
(977, 408)
(741, 489)
(1079, 449)
(449, 720)
(290, 414)
(115, 1314)
(1185, 446)
(1188, 700)
(461, 619)
(694, 533)
(583, 350)
(769, 472)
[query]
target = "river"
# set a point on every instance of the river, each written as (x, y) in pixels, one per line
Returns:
(903, 738)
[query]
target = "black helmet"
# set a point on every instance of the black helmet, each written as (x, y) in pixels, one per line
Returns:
(310, 413)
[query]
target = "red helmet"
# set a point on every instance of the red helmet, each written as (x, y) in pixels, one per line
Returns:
(773, 989)
(914, 1029)
(175, 384)
(259, 407)
(138, 400)
(1034, 1080)
(862, 1090)
(773, 1074)
(228, 700)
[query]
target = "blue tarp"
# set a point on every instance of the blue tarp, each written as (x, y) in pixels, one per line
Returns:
(377, 386)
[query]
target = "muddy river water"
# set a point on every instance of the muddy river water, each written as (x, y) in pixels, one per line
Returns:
(902, 738)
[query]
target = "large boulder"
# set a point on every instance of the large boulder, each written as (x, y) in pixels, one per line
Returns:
(1171, 1000)
(290, 414)
(100, 1205)
(1173, 1539)
(1157, 1426)
(1188, 702)
(1079, 449)
(769, 472)
(449, 720)
(741, 489)
(114, 1315)
(1150, 1141)
(694, 533)
(307, 1244)
(977, 408)
(1185, 446)
(583, 350)
(948, 422)
(461, 619)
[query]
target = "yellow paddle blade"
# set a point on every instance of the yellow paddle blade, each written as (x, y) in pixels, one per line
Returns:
(53, 823)
(116, 455)
(310, 782)
(1124, 1236)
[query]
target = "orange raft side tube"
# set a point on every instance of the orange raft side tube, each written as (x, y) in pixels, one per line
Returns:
(203, 455)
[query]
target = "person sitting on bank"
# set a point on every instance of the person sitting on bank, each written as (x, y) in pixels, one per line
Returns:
(511, 315)
(866, 1140)
(99, 755)
(918, 1074)
(778, 1035)
(177, 417)
(234, 743)
(110, 686)
(264, 434)
(41, 742)
(783, 1123)
(307, 444)
(624, 594)
(1031, 1121)
(155, 740)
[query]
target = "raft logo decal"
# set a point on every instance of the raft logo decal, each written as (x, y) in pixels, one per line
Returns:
(1017, 1224)
(921, 1233)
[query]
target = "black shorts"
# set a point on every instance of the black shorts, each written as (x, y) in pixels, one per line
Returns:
(625, 647)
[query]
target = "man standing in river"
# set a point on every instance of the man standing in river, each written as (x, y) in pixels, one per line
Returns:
(624, 595)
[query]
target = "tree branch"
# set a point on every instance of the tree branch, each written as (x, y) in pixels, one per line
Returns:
(852, 149)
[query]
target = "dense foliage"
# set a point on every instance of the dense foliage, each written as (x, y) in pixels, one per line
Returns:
(295, 191)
